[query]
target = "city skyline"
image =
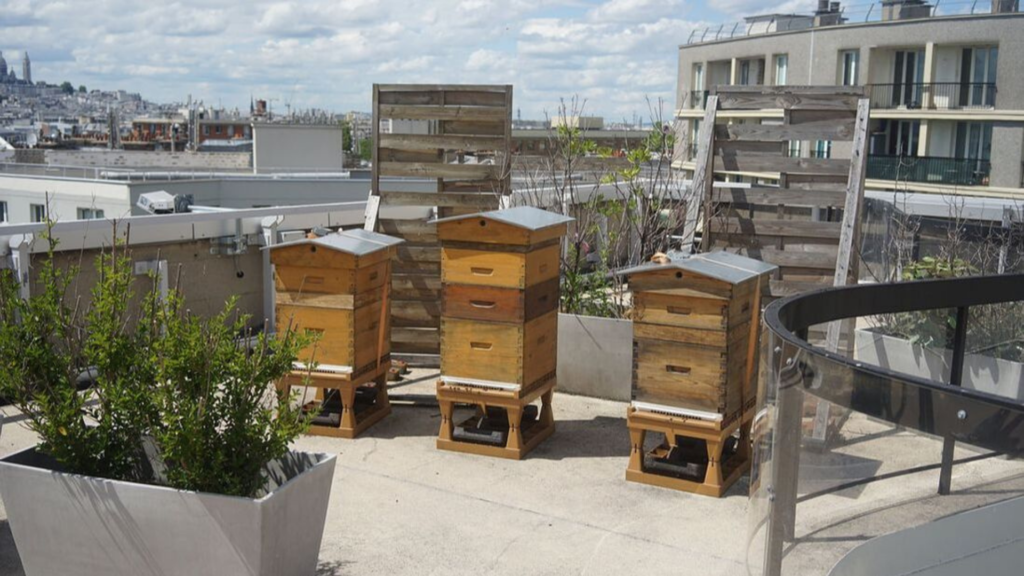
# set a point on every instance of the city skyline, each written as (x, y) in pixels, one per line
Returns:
(612, 54)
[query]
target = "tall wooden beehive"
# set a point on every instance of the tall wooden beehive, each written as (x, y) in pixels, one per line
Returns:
(500, 274)
(695, 332)
(336, 285)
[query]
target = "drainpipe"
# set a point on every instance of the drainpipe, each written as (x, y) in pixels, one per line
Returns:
(20, 262)
(158, 270)
(270, 237)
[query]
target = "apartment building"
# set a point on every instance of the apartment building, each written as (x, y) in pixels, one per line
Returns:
(947, 92)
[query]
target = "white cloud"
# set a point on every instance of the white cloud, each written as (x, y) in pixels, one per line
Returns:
(612, 53)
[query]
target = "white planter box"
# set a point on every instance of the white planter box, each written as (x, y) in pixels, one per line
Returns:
(982, 373)
(66, 524)
(595, 356)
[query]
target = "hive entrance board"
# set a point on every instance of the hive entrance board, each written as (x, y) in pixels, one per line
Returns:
(459, 138)
(809, 225)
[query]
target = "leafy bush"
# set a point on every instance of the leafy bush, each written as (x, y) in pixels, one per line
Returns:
(163, 378)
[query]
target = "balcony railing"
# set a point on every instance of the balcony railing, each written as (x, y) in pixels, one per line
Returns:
(933, 96)
(930, 169)
(698, 98)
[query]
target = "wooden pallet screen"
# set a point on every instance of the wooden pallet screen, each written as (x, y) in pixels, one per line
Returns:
(458, 136)
(808, 224)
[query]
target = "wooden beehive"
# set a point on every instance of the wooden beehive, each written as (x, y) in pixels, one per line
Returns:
(336, 286)
(500, 273)
(695, 332)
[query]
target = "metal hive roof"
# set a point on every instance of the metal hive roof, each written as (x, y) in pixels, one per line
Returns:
(526, 217)
(721, 265)
(357, 242)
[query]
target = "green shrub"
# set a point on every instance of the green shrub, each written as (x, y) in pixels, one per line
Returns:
(186, 386)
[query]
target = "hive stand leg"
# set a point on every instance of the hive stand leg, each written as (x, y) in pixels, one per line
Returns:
(348, 407)
(547, 416)
(515, 432)
(636, 454)
(743, 448)
(447, 426)
(382, 391)
(714, 475)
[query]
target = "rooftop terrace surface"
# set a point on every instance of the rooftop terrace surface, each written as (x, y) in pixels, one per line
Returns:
(399, 506)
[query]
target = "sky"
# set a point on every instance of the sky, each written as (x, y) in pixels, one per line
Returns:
(614, 55)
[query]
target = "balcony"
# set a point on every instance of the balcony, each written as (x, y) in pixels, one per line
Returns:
(930, 169)
(933, 96)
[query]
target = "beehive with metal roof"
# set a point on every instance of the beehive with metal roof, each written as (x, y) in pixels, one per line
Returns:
(336, 286)
(695, 331)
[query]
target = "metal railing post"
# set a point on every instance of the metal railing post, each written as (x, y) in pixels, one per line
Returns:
(956, 373)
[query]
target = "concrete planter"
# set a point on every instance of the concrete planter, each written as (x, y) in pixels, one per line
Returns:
(595, 356)
(70, 524)
(982, 373)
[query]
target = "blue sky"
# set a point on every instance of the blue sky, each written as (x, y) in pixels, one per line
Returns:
(326, 54)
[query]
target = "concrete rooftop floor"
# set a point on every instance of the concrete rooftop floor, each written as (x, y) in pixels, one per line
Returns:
(399, 506)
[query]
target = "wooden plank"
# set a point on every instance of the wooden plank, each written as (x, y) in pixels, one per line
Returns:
(415, 340)
(738, 100)
(775, 196)
(411, 97)
(477, 98)
(500, 88)
(783, 288)
(388, 155)
(817, 182)
(787, 228)
(413, 287)
(473, 128)
(837, 129)
(769, 164)
(408, 253)
(825, 260)
(850, 228)
(470, 113)
(411, 230)
(492, 185)
(422, 170)
(481, 200)
(469, 143)
(410, 313)
(742, 149)
(703, 178)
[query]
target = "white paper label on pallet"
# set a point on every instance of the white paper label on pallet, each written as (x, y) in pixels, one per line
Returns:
(674, 411)
(328, 368)
(479, 383)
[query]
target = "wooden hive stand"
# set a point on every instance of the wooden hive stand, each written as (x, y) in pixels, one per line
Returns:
(455, 140)
(499, 328)
(695, 349)
(337, 286)
(713, 472)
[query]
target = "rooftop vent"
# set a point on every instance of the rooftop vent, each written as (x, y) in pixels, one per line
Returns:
(1005, 6)
(905, 9)
(828, 14)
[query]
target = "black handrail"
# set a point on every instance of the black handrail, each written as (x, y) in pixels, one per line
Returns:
(946, 410)
(934, 95)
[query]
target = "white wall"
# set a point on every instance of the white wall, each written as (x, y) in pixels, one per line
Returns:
(66, 197)
(235, 161)
(297, 148)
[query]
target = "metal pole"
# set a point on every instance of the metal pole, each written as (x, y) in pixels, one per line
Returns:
(956, 372)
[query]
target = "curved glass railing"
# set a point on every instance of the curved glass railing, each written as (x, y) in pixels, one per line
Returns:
(917, 417)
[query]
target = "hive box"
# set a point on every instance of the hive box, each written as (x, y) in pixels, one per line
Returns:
(695, 332)
(499, 272)
(335, 285)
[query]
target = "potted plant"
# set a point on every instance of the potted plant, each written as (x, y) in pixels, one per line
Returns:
(176, 460)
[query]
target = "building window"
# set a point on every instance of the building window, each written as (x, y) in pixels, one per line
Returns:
(247, 131)
(850, 66)
(90, 214)
(206, 130)
(823, 149)
(37, 212)
(698, 77)
(218, 129)
(781, 68)
(3, 211)
(745, 72)
(794, 148)
(231, 131)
